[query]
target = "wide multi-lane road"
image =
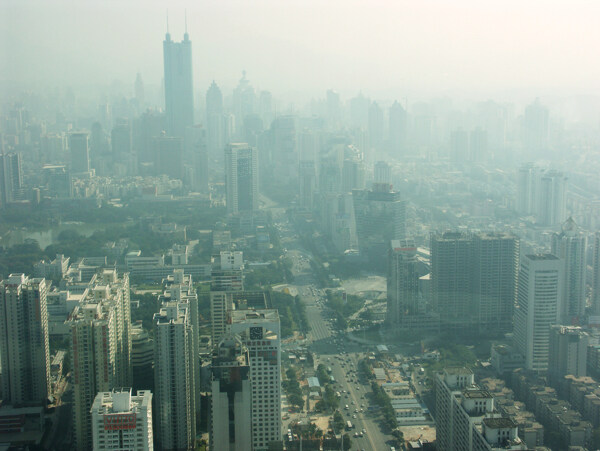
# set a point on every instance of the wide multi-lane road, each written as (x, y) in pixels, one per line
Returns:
(334, 350)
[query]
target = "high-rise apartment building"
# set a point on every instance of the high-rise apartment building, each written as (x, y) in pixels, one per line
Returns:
(260, 332)
(227, 276)
(380, 215)
(284, 155)
(570, 246)
(116, 289)
(24, 351)
(196, 166)
(382, 173)
(168, 156)
(527, 176)
(179, 288)
(567, 352)
(494, 272)
(473, 280)
(121, 420)
(227, 273)
(542, 194)
(451, 279)
(174, 378)
(453, 379)
(551, 198)
(244, 103)
(403, 296)
(596, 279)
(94, 347)
(120, 139)
(353, 170)
(142, 359)
(100, 347)
(80, 152)
(231, 419)
(146, 127)
(241, 178)
(179, 87)
(11, 177)
(220, 304)
(466, 418)
(539, 304)
(231, 260)
(124, 161)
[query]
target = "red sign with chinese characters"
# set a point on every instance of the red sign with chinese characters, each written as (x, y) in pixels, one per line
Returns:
(119, 422)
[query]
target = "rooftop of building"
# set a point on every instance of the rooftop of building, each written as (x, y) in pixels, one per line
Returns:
(313, 382)
(457, 371)
(87, 312)
(20, 278)
(121, 400)
(230, 351)
(379, 373)
(403, 245)
(170, 311)
(494, 235)
(583, 380)
(567, 330)
(474, 393)
(256, 299)
(499, 423)
(259, 315)
(451, 236)
(541, 257)
(231, 360)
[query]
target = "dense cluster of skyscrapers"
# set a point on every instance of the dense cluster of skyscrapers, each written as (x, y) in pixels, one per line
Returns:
(481, 284)
(460, 280)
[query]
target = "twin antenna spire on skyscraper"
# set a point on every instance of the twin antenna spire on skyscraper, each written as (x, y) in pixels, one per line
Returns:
(185, 34)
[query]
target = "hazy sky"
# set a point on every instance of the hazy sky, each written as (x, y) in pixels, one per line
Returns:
(291, 46)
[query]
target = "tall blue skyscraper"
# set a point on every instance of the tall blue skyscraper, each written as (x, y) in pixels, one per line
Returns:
(179, 93)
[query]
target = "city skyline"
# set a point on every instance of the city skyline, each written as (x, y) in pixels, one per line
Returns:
(324, 225)
(291, 39)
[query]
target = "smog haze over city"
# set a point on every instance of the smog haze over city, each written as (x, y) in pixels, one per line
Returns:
(284, 225)
(298, 48)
